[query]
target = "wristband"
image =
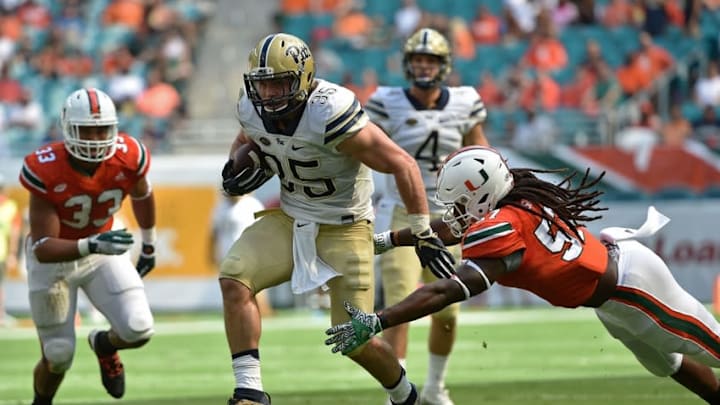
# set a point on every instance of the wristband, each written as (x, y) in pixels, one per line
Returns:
(382, 320)
(149, 235)
(83, 247)
(419, 223)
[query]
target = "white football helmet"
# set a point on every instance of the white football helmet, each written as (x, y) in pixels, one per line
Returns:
(470, 183)
(89, 108)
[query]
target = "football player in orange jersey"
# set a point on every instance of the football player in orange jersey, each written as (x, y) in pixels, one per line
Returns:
(524, 232)
(75, 188)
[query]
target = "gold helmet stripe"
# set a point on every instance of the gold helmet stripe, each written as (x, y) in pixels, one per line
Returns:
(265, 50)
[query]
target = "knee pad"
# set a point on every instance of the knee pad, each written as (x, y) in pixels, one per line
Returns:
(59, 354)
(138, 327)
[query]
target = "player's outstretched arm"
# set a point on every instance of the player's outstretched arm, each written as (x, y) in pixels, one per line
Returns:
(387, 240)
(472, 278)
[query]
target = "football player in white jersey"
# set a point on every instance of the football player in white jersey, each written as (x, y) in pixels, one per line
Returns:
(429, 121)
(317, 139)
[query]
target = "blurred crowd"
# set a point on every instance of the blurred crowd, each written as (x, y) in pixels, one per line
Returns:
(549, 70)
(141, 52)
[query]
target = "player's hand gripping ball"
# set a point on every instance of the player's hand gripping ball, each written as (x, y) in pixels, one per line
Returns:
(246, 156)
(245, 171)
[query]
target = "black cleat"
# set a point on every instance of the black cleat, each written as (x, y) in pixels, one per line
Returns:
(111, 369)
(251, 397)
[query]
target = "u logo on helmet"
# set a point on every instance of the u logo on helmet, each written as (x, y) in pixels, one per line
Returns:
(470, 186)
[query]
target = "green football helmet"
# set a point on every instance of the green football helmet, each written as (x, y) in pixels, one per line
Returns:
(284, 63)
(427, 41)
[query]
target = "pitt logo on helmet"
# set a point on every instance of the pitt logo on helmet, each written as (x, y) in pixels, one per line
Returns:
(280, 75)
(299, 54)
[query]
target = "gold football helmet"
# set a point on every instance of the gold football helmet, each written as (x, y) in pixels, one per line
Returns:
(280, 75)
(427, 41)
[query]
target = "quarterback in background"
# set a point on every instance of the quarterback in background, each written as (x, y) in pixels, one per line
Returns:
(75, 188)
(317, 139)
(524, 232)
(429, 121)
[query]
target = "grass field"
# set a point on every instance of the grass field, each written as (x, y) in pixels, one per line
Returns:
(538, 356)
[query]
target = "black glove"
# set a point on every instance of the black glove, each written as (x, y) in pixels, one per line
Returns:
(146, 261)
(248, 180)
(433, 254)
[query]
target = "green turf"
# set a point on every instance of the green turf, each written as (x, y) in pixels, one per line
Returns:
(546, 356)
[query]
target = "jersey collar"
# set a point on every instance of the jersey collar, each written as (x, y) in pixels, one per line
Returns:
(441, 103)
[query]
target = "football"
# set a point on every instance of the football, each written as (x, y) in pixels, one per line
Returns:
(247, 155)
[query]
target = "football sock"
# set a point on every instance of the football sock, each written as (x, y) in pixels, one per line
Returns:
(400, 391)
(437, 368)
(246, 367)
(102, 344)
(403, 363)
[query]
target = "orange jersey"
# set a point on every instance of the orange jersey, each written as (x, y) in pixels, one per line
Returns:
(85, 204)
(560, 269)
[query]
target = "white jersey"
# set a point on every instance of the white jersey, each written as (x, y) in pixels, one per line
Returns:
(429, 135)
(318, 183)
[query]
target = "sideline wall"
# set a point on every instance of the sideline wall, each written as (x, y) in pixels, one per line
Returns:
(187, 188)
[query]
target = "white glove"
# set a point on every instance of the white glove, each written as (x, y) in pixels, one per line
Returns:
(114, 242)
(382, 242)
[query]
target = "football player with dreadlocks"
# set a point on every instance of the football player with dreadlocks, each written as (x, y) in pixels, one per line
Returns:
(524, 232)
(317, 139)
(429, 121)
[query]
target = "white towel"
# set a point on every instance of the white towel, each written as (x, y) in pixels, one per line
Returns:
(654, 222)
(310, 272)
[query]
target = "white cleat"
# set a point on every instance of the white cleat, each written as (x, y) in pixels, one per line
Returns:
(435, 397)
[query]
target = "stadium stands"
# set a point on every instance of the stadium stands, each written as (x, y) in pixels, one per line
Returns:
(659, 69)
(67, 44)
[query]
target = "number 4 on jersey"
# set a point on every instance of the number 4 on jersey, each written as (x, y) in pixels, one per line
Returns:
(428, 151)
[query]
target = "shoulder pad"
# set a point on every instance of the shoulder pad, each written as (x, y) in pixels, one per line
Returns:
(31, 176)
(335, 112)
(469, 97)
(136, 156)
(380, 101)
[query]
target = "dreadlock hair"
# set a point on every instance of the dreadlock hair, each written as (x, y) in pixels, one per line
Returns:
(569, 204)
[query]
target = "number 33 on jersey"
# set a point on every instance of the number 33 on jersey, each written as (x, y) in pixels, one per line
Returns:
(85, 203)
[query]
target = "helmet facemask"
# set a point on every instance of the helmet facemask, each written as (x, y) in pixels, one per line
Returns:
(89, 108)
(425, 82)
(470, 184)
(93, 150)
(427, 41)
(285, 84)
(281, 70)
